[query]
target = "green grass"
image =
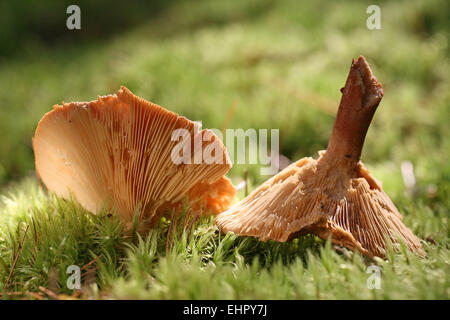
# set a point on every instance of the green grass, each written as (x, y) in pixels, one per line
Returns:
(194, 261)
(197, 262)
(282, 64)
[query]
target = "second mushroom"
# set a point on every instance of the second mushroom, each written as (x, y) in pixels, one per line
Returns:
(334, 195)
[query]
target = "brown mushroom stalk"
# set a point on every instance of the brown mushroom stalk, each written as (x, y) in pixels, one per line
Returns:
(334, 195)
(116, 152)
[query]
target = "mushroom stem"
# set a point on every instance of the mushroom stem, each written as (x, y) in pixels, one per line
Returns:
(360, 98)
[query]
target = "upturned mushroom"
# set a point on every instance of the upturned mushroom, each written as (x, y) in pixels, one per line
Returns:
(118, 152)
(334, 195)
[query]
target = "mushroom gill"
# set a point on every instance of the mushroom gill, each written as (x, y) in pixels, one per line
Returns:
(334, 195)
(116, 152)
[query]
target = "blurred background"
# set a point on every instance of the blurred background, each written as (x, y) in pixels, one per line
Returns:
(240, 64)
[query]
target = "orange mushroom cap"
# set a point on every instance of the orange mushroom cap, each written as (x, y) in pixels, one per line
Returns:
(334, 195)
(117, 152)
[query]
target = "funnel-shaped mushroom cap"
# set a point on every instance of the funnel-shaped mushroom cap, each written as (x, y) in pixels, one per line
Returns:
(118, 152)
(334, 195)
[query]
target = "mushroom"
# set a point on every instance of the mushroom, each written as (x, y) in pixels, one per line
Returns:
(118, 152)
(334, 195)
